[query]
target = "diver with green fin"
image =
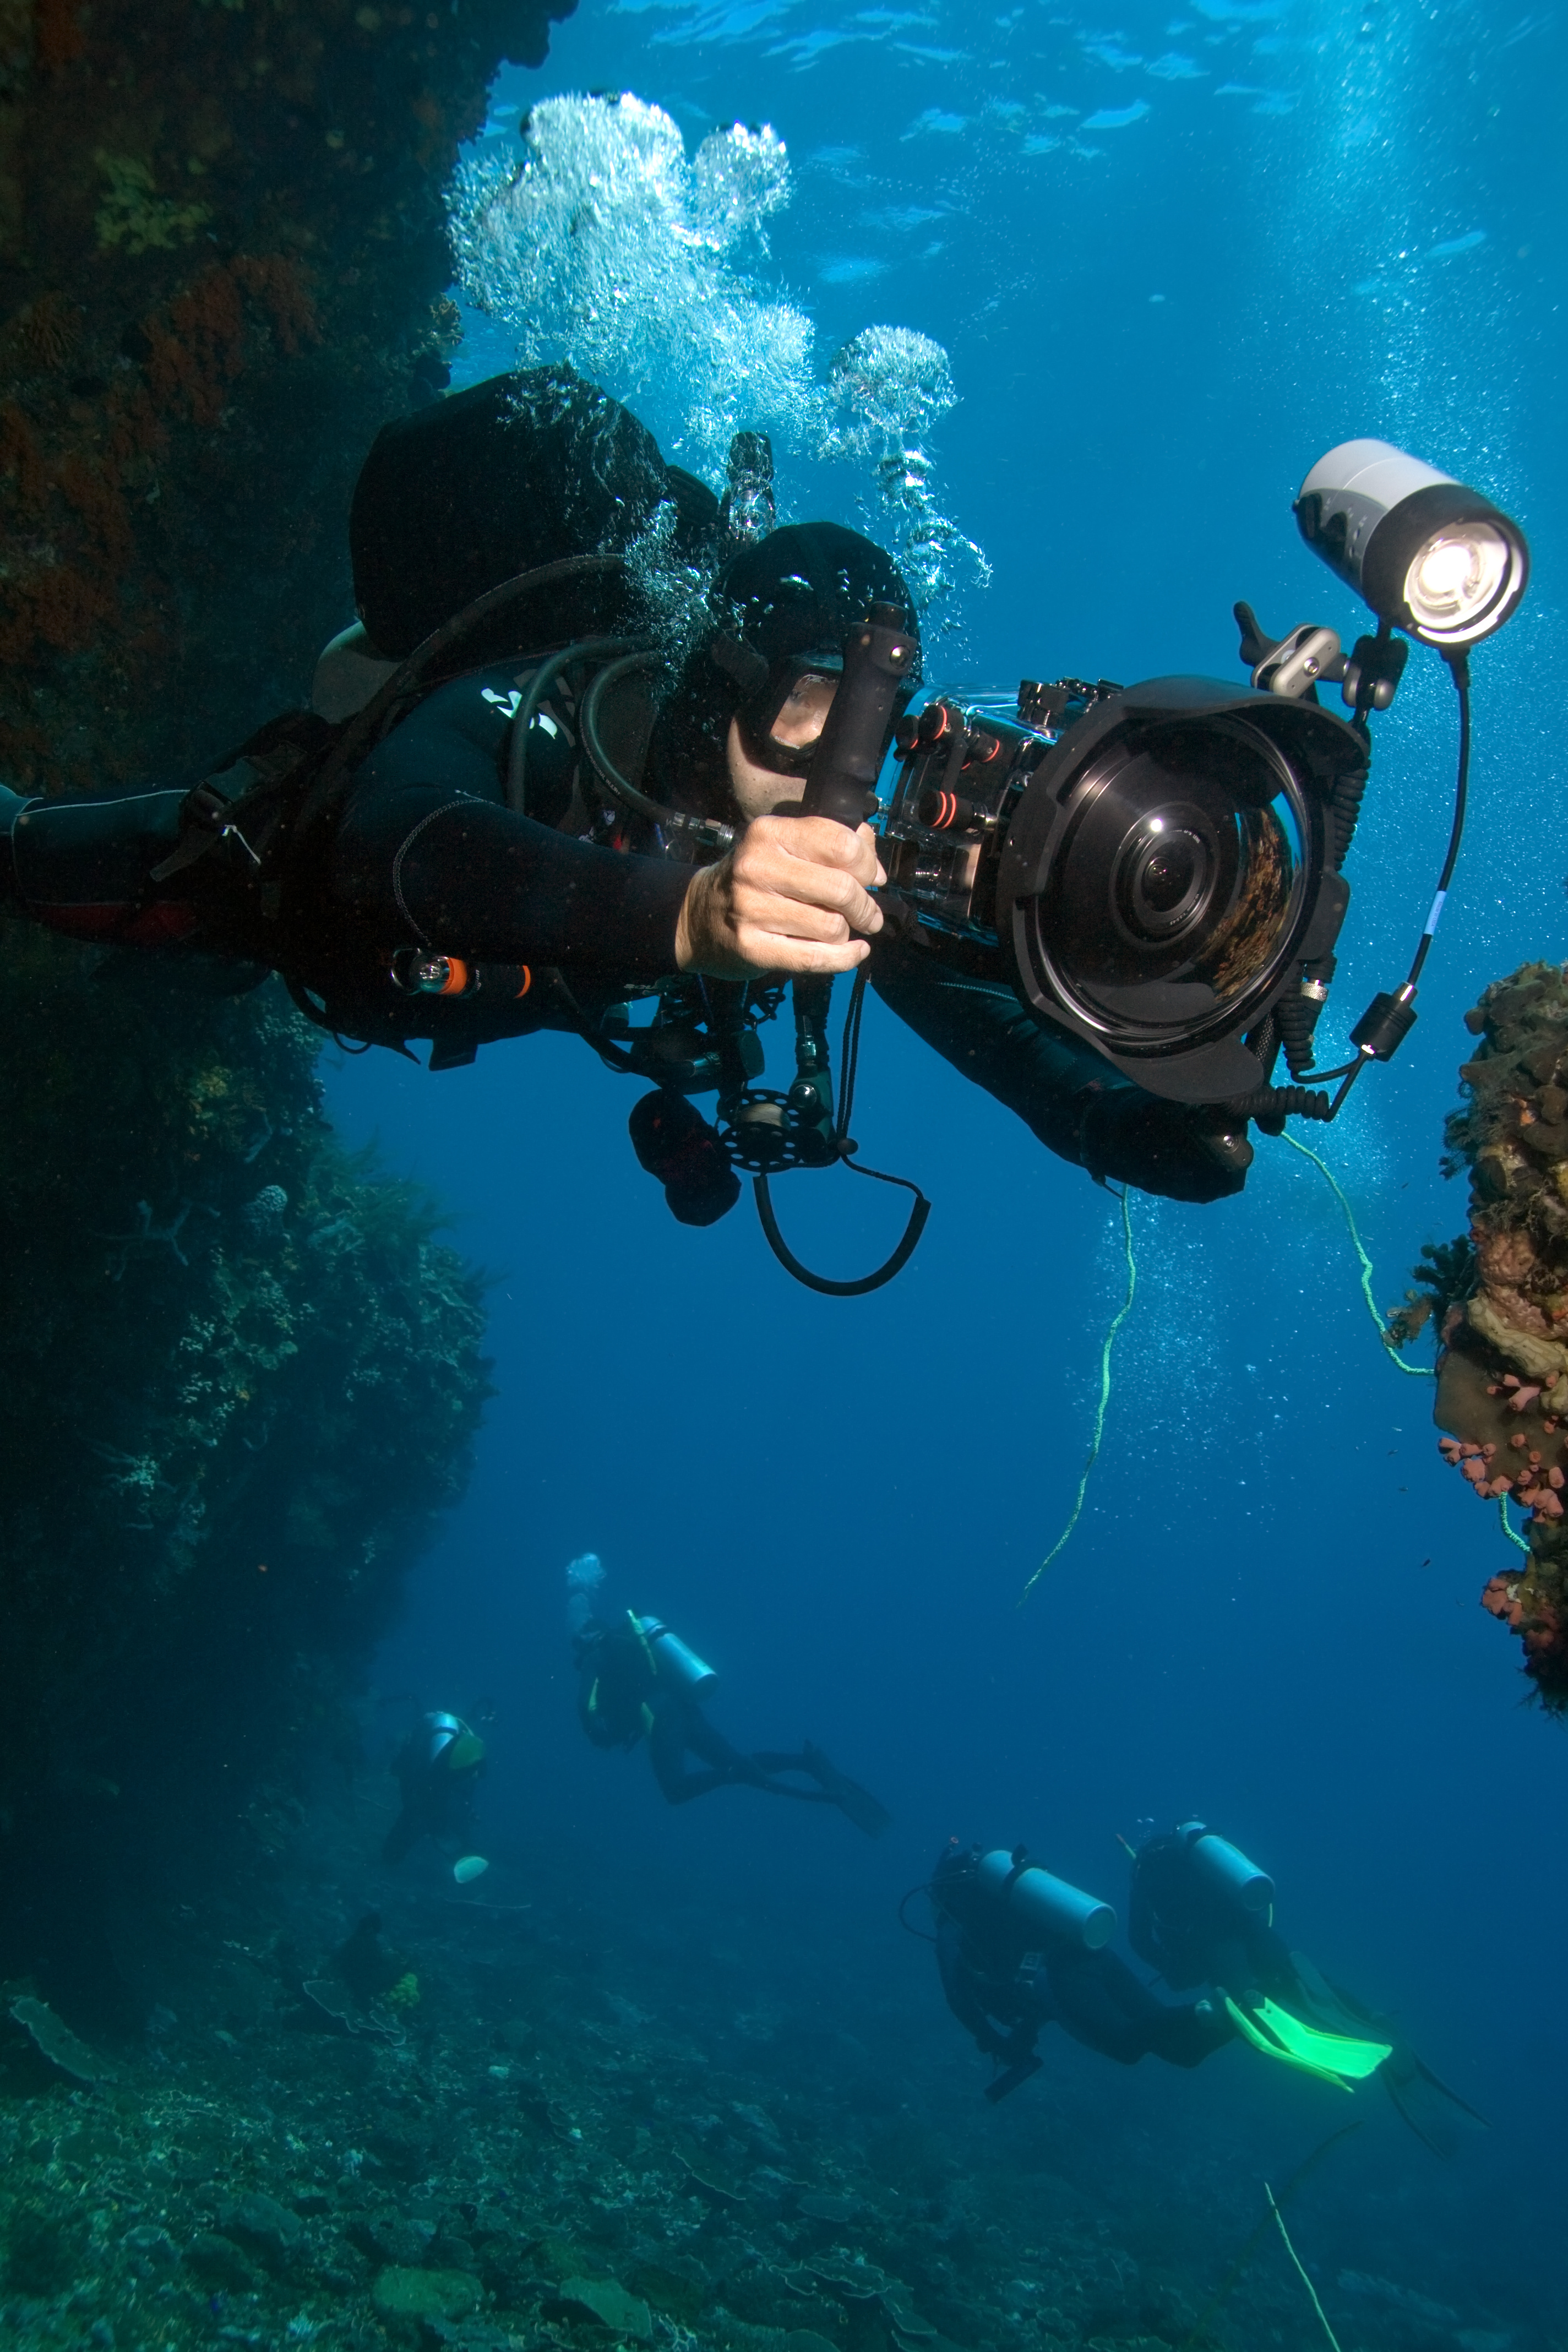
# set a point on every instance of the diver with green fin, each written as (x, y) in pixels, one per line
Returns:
(1203, 1915)
(1018, 1949)
(636, 1680)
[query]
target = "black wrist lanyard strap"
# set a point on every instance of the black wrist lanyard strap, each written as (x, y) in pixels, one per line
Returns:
(844, 1149)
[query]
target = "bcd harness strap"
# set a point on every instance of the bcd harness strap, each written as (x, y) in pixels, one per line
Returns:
(296, 792)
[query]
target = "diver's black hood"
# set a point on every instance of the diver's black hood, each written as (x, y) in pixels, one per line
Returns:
(519, 471)
(780, 605)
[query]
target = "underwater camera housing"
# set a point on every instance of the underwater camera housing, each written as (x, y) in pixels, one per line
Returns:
(1153, 867)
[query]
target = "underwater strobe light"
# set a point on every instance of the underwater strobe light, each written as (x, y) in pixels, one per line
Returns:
(1158, 868)
(1430, 557)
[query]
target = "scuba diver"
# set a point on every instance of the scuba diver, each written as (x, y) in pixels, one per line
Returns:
(637, 1680)
(438, 1768)
(1018, 1949)
(1199, 1913)
(507, 810)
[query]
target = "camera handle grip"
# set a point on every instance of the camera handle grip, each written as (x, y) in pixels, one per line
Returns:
(878, 659)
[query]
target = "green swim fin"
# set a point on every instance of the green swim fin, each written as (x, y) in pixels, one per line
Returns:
(1333, 2057)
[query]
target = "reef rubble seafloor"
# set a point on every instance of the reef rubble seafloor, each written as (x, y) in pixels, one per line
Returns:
(1501, 1299)
(581, 2123)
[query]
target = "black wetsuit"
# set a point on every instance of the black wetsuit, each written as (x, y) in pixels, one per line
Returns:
(425, 853)
(417, 847)
(1002, 1986)
(623, 1699)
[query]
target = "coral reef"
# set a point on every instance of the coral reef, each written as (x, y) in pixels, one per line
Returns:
(222, 267)
(600, 2127)
(241, 1373)
(1502, 1374)
(232, 1406)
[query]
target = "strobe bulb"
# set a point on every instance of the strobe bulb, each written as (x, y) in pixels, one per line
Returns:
(1429, 556)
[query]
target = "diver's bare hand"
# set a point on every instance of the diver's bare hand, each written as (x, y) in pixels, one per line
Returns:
(790, 897)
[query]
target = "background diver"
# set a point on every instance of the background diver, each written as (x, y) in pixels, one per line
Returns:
(438, 1769)
(1019, 1949)
(1201, 1914)
(436, 849)
(637, 1680)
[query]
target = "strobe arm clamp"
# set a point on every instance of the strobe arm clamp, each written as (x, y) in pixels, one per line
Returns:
(1372, 671)
(1367, 677)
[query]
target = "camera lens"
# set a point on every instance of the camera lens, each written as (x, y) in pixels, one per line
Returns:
(1165, 867)
(1177, 883)
(1167, 877)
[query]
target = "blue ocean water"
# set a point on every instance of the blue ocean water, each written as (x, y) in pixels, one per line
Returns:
(1171, 262)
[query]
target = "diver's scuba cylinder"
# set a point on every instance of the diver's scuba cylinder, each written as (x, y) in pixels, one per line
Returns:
(451, 1743)
(1226, 1869)
(677, 1664)
(445, 1730)
(1048, 1905)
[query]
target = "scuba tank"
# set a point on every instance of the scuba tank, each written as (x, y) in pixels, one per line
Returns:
(1226, 1869)
(451, 1743)
(672, 1660)
(1048, 1905)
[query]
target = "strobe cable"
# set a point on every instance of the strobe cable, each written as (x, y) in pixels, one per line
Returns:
(1390, 1017)
(844, 1149)
(1459, 670)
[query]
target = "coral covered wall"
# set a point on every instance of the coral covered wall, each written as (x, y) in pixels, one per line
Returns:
(1503, 1375)
(223, 265)
(241, 1373)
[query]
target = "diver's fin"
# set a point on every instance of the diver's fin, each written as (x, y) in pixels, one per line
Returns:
(856, 1803)
(1434, 2113)
(1334, 2057)
(1323, 1988)
(1453, 2097)
(1015, 2074)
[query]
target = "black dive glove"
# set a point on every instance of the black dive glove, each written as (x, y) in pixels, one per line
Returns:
(674, 1142)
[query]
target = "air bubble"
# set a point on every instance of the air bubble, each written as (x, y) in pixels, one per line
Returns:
(608, 248)
(889, 385)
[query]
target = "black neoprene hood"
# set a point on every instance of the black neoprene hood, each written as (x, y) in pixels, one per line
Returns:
(519, 471)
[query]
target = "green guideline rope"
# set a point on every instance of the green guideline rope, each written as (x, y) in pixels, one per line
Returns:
(1121, 1314)
(1232, 2278)
(1416, 1372)
(1296, 2258)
